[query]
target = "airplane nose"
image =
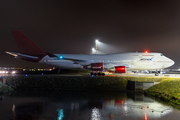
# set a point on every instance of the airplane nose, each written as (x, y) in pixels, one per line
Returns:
(171, 62)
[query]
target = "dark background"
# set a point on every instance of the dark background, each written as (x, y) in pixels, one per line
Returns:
(71, 26)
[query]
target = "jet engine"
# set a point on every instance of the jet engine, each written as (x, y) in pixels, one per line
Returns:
(120, 69)
(97, 66)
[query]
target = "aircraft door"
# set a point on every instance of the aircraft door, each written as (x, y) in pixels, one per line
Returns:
(154, 62)
(132, 63)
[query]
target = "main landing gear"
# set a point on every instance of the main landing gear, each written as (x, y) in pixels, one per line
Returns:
(97, 74)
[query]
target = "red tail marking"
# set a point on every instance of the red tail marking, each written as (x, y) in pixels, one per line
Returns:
(26, 45)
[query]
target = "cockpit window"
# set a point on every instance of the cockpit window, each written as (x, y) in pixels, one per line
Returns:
(161, 55)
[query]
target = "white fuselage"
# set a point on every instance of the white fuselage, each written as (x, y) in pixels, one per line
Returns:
(132, 61)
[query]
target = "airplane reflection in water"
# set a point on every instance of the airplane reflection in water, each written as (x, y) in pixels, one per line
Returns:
(77, 107)
(130, 109)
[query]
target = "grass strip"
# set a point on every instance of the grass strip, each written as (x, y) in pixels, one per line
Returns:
(168, 89)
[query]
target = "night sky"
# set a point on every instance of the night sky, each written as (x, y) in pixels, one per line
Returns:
(71, 26)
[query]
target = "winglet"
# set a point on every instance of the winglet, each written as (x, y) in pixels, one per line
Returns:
(26, 45)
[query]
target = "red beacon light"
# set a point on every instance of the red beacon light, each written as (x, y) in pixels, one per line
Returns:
(146, 51)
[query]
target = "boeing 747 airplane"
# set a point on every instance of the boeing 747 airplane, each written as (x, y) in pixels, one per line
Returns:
(117, 63)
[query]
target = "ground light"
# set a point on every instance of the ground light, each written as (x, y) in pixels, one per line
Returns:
(93, 50)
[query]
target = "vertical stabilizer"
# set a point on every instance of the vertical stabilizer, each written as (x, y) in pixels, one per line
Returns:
(26, 45)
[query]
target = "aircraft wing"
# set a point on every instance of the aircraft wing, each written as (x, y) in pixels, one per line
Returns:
(74, 59)
(109, 65)
(82, 61)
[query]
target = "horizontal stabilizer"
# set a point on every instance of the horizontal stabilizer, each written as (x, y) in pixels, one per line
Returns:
(19, 55)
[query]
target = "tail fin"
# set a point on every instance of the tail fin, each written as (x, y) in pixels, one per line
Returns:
(26, 45)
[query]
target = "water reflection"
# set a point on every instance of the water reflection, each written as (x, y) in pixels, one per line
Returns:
(60, 114)
(83, 106)
(96, 115)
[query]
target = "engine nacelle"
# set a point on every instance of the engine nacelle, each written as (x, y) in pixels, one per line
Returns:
(120, 69)
(97, 66)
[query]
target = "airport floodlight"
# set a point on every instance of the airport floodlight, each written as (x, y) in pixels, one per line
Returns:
(97, 41)
(96, 44)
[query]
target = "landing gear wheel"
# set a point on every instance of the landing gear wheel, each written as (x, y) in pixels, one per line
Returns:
(103, 74)
(99, 74)
(91, 73)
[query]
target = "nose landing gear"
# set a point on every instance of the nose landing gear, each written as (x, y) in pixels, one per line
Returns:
(156, 73)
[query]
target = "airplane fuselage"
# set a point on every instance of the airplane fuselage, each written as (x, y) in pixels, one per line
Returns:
(132, 61)
(118, 63)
